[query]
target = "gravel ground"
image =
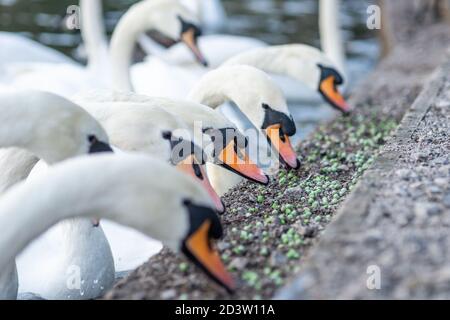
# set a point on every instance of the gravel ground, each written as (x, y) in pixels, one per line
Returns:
(270, 231)
(397, 222)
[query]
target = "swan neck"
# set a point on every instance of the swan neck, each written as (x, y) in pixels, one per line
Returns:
(37, 208)
(93, 32)
(123, 42)
(330, 32)
(216, 89)
(281, 60)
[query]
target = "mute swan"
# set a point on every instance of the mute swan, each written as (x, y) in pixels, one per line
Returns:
(135, 190)
(54, 129)
(330, 33)
(148, 128)
(257, 97)
(301, 62)
(216, 48)
(260, 100)
(166, 16)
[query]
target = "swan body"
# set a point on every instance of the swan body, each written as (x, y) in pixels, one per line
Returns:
(120, 188)
(67, 79)
(63, 76)
(19, 49)
(137, 126)
(51, 128)
(197, 117)
(211, 13)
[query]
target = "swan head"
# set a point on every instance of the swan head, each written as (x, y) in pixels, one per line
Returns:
(304, 63)
(329, 80)
(279, 127)
(204, 227)
(75, 134)
(230, 151)
(174, 23)
(258, 97)
(190, 158)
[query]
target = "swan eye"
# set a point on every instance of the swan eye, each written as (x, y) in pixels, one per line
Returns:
(197, 171)
(92, 139)
(282, 135)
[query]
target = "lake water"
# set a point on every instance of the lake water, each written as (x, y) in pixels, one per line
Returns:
(273, 21)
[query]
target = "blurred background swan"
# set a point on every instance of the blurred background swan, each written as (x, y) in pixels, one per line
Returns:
(268, 21)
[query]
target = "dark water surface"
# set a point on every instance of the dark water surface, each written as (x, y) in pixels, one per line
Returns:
(273, 21)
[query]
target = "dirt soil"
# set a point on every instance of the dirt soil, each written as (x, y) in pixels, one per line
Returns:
(390, 239)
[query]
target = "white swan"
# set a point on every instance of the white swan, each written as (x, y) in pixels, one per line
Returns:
(136, 190)
(330, 33)
(303, 63)
(54, 129)
(173, 21)
(18, 49)
(210, 12)
(146, 127)
(166, 16)
(257, 97)
(216, 48)
(205, 123)
(261, 101)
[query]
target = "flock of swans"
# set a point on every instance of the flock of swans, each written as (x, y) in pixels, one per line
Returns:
(110, 133)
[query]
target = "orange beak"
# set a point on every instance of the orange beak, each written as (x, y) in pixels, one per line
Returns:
(207, 258)
(332, 95)
(283, 146)
(241, 165)
(189, 38)
(198, 172)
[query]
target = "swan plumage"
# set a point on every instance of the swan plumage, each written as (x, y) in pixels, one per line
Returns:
(51, 128)
(121, 188)
(305, 64)
(19, 49)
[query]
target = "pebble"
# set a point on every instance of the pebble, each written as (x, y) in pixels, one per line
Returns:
(310, 232)
(293, 191)
(222, 246)
(446, 200)
(444, 171)
(441, 182)
(421, 156)
(434, 189)
(168, 294)
(425, 209)
(404, 174)
(277, 259)
(238, 263)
